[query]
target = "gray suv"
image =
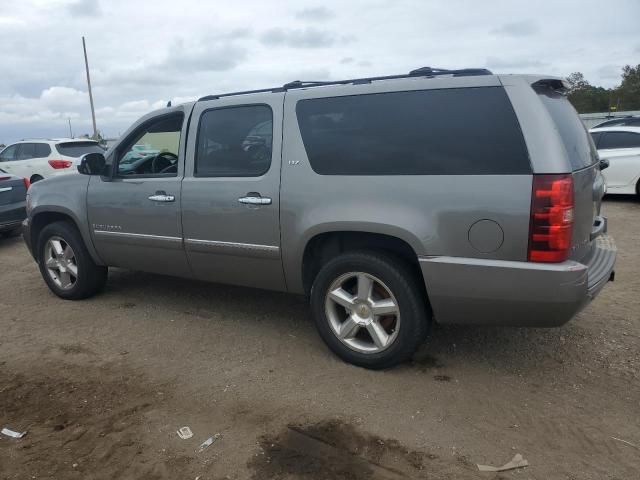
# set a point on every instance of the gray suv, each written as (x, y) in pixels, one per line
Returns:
(457, 196)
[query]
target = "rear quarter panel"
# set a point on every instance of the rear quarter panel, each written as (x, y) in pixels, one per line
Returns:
(433, 214)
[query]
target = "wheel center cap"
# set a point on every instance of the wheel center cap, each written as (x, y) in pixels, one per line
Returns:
(363, 311)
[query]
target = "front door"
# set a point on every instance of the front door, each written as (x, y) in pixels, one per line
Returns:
(230, 193)
(135, 214)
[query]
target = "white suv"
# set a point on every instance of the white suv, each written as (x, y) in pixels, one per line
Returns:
(38, 159)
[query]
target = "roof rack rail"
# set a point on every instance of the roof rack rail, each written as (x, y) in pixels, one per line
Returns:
(419, 72)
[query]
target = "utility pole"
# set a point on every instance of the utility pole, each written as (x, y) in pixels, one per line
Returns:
(70, 131)
(93, 113)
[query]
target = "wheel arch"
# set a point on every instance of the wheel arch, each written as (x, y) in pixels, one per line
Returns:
(322, 246)
(42, 217)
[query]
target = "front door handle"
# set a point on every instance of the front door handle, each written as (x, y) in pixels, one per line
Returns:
(253, 199)
(161, 196)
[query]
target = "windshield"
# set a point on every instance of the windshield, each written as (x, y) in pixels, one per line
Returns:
(77, 149)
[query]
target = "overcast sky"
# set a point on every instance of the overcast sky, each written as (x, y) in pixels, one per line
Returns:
(142, 54)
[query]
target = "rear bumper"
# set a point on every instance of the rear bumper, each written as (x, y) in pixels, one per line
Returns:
(496, 292)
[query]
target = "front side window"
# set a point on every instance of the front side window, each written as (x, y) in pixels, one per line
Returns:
(9, 153)
(619, 140)
(152, 150)
(235, 142)
(465, 131)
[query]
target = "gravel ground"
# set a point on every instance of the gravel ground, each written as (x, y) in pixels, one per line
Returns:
(102, 385)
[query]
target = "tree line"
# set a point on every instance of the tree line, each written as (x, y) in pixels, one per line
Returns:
(587, 98)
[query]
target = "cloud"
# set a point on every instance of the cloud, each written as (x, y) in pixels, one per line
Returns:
(514, 63)
(522, 28)
(298, 38)
(85, 8)
(346, 60)
(315, 14)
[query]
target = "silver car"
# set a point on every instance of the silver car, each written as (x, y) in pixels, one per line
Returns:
(391, 202)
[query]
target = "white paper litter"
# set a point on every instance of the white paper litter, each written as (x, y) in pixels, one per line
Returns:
(184, 433)
(208, 442)
(516, 462)
(12, 434)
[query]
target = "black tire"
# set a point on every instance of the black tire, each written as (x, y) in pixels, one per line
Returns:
(403, 285)
(35, 178)
(91, 277)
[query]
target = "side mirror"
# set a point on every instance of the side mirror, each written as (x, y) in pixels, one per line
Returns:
(604, 163)
(92, 164)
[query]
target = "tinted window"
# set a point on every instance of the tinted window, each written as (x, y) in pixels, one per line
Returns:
(619, 140)
(42, 150)
(9, 153)
(235, 142)
(433, 132)
(77, 149)
(153, 149)
(580, 149)
(26, 151)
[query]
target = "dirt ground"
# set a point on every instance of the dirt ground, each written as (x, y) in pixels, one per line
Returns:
(102, 385)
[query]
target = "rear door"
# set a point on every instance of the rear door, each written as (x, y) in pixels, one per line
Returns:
(13, 192)
(588, 183)
(622, 149)
(231, 191)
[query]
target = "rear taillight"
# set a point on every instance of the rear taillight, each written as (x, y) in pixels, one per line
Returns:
(58, 164)
(551, 218)
(27, 183)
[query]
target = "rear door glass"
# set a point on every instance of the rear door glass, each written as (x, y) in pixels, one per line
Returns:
(27, 151)
(42, 150)
(577, 141)
(77, 149)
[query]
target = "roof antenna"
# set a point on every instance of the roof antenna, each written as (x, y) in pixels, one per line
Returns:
(168, 103)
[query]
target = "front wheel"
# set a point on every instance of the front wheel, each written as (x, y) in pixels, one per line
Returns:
(65, 264)
(369, 309)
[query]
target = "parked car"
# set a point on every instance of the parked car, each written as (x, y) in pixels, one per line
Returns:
(630, 121)
(38, 159)
(456, 196)
(13, 194)
(620, 146)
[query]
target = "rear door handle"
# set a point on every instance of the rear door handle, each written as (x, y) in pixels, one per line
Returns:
(161, 196)
(253, 199)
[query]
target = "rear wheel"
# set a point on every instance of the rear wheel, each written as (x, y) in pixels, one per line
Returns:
(35, 178)
(369, 309)
(65, 264)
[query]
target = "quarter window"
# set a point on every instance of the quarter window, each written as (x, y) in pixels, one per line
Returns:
(470, 131)
(619, 140)
(235, 142)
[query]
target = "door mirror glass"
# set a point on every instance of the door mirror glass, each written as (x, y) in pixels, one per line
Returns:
(92, 164)
(604, 163)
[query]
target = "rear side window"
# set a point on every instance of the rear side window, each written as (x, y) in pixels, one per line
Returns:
(26, 151)
(596, 137)
(235, 142)
(42, 150)
(77, 149)
(619, 140)
(577, 142)
(470, 131)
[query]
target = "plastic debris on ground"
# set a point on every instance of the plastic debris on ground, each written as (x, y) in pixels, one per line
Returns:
(184, 433)
(208, 442)
(12, 434)
(516, 462)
